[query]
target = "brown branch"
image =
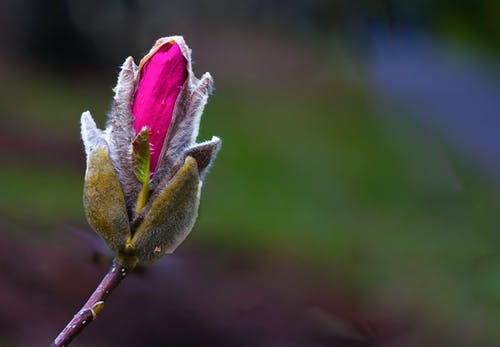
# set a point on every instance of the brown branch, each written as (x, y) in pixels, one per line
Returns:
(93, 306)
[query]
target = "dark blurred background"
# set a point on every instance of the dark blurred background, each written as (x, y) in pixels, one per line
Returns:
(355, 201)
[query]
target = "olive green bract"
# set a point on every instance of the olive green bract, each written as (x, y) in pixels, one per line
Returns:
(171, 216)
(104, 201)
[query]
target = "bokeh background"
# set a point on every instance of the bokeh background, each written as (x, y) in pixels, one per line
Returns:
(355, 201)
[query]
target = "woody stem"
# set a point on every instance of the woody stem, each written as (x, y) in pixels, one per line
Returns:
(93, 306)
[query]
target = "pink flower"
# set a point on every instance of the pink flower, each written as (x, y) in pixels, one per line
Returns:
(161, 78)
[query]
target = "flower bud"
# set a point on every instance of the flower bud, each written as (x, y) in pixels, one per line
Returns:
(145, 170)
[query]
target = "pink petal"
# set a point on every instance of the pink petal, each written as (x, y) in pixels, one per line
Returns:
(161, 80)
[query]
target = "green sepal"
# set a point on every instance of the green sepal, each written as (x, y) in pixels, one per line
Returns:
(104, 201)
(141, 156)
(171, 216)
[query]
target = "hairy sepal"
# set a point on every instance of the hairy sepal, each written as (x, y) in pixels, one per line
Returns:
(120, 132)
(104, 201)
(171, 216)
(204, 153)
(92, 136)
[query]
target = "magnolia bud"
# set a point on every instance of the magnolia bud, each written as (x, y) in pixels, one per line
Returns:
(145, 170)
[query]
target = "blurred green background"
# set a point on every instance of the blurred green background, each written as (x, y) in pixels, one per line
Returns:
(360, 158)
